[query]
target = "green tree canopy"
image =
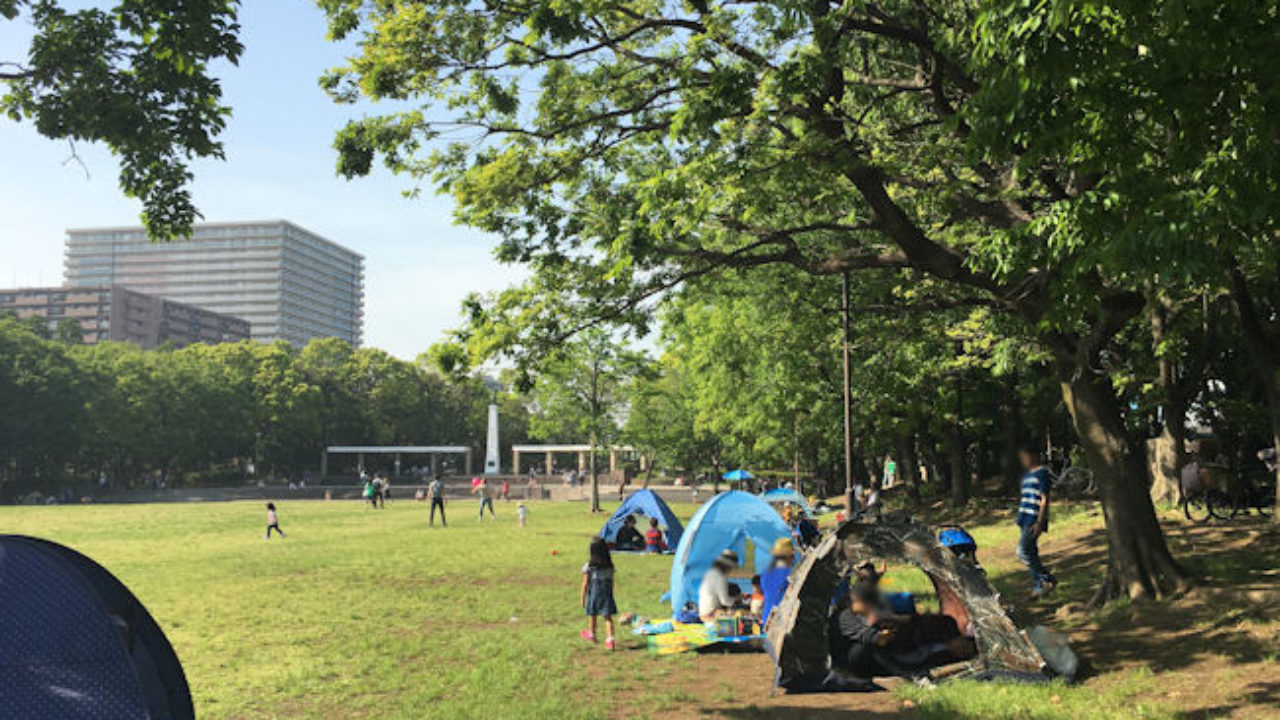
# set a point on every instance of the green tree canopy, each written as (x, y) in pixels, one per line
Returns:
(135, 76)
(581, 390)
(623, 149)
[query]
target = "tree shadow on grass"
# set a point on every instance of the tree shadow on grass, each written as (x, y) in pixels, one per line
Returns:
(796, 712)
(1231, 560)
(1259, 694)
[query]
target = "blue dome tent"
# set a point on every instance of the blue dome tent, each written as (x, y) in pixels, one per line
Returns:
(779, 496)
(732, 519)
(648, 503)
(75, 644)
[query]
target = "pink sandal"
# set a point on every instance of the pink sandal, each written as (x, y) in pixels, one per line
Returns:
(608, 643)
(587, 635)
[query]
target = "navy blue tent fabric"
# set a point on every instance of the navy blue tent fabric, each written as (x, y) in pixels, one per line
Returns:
(76, 645)
(732, 520)
(649, 504)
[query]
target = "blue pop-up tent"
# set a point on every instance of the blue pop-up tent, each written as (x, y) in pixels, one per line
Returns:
(730, 520)
(647, 503)
(787, 495)
(75, 644)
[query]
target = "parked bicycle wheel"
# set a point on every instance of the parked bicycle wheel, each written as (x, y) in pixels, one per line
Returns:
(1222, 506)
(1076, 481)
(1264, 501)
(1196, 507)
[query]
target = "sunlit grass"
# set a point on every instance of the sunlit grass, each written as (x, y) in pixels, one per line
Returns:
(372, 614)
(362, 613)
(1054, 701)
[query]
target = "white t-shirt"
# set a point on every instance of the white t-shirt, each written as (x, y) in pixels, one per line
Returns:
(713, 593)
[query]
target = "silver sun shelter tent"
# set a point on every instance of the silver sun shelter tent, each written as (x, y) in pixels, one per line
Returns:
(75, 644)
(797, 632)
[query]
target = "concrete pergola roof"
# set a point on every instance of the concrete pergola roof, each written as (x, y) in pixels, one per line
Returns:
(433, 450)
(398, 449)
(566, 448)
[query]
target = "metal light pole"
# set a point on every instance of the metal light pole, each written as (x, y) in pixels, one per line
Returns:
(848, 412)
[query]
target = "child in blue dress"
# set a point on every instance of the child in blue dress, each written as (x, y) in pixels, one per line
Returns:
(597, 591)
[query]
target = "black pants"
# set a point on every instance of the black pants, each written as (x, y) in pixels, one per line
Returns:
(276, 527)
(438, 503)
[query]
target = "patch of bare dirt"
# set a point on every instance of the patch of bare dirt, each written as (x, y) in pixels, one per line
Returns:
(728, 686)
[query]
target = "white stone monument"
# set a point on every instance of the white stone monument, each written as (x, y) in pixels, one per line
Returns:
(492, 466)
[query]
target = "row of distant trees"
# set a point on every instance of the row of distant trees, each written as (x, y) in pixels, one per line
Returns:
(208, 413)
(1094, 181)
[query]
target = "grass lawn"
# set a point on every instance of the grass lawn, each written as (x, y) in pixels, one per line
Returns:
(362, 613)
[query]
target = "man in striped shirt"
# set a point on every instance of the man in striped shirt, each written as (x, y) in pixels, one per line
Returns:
(1033, 519)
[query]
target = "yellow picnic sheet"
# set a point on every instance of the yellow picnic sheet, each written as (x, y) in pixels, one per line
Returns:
(685, 637)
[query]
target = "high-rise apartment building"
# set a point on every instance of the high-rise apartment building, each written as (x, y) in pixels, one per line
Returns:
(117, 313)
(287, 282)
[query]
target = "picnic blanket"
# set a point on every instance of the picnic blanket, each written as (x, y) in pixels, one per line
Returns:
(685, 637)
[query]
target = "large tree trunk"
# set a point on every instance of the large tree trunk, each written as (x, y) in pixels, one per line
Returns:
(1166, 455)
(1139, 565)
(1262, 348)
(1178, 386)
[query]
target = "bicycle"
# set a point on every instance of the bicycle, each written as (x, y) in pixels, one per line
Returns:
(1197, 506)
(1209, 500)
(1070, 478)
(1243, 496)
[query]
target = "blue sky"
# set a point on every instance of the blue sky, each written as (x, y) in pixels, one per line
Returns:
(418, 264)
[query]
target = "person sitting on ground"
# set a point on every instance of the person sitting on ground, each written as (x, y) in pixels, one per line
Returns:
(871, 506)
(868, 571)
(756, 606)
(855, 640)
(629, 538)
(714, 598)
(653, 542)
(777, 578)
(868, 643)
(807, 531)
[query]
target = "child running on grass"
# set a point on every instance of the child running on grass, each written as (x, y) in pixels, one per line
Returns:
(597, 591)
(273, 521)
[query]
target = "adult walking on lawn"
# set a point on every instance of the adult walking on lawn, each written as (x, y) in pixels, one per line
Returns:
(481, 486)
(1033, 519)
(435, 495)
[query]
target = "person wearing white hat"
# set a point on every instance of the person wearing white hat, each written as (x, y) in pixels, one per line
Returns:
(714, 599)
